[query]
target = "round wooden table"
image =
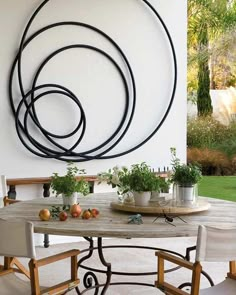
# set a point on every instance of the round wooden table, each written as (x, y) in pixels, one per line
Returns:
(115, 223)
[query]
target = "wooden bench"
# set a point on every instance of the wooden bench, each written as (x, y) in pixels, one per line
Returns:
(45, 181)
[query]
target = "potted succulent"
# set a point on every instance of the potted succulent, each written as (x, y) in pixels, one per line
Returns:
(185, 177)
(68, 186)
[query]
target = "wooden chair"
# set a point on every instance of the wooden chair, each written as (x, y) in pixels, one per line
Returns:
(17, 241)
(7, 201)
(213, 244)
(3, 192)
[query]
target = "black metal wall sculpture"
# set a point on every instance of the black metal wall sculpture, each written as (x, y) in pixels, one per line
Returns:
(26, 108)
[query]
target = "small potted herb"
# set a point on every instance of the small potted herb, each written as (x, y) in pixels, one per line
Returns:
(162, 186)
(185, 177)
(138, 180)
(68, 185)
(142, 182)
(117, 178)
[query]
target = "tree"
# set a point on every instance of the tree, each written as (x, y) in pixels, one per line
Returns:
(208, 20)
(204, 105)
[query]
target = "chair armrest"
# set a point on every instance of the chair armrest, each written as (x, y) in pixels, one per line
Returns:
(170, 289)
(7, 201)
(57, 257)
(175, 259)
(58, 288)
(231, 276)
(232, 270)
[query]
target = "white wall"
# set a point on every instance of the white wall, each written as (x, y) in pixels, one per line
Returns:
(223, 103)
(95, 81)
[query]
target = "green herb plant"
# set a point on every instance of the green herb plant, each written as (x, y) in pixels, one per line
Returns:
(117, 178)
(141, 178)
(184, 174)
(138, 178)
(68, 184)
(56, 210)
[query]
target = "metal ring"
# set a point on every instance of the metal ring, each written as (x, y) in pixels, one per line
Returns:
(99, 152)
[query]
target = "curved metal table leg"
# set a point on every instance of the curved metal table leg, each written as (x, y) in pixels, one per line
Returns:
(108, 266)
(90, 279)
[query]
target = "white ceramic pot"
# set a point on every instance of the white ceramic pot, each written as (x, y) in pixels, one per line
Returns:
(71, 200)
(141, 199)
(155, 196)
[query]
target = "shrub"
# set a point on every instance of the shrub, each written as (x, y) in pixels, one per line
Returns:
(228, 147)
(205, 132)
(233, 162)
(213, 162)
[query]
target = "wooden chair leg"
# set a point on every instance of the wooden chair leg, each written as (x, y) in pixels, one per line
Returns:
(196, 278)
(20, 266)
(74, 268)
(34, 277)
(7, 262)
(232, 270)
(160, 269)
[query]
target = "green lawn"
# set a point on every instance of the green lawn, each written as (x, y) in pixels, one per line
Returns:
(219, 187)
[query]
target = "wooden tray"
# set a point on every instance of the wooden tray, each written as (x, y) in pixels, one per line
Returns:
(155, 207)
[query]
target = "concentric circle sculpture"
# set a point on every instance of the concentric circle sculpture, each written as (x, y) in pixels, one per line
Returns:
(26, 108)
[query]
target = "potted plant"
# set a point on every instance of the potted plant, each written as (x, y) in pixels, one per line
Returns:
(142, 181)
(68, 185)
(185, 177)
(117, 178)
(162, 186)
(138, 180)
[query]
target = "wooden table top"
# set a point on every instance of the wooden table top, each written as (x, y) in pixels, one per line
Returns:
(114, 223)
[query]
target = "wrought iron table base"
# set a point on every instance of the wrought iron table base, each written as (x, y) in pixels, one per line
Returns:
(90, 280)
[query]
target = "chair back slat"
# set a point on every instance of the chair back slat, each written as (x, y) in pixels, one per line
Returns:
(214, 244)
(17, 239)
(3, 189)
(3, 186)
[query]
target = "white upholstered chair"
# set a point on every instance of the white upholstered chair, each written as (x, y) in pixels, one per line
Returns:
(213, 244)
(17, 241)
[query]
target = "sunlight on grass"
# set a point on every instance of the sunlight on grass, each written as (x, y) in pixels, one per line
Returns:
(219, 187)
